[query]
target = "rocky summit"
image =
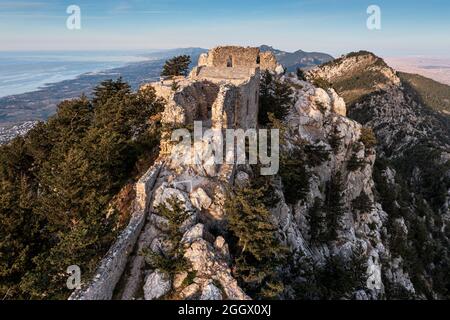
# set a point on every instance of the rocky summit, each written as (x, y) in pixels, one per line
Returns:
(358, 207)
(362, 214)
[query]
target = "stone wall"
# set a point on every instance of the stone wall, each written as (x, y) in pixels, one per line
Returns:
(238, 57)
(102, 286)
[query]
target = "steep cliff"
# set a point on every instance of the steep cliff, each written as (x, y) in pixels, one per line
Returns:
(359, 208)
(412, 170)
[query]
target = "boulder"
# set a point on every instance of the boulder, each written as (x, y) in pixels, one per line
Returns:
(211, 292)
(241, 179)
(193, 234)
(222, 247)
(164, 194)
(200, 199)
(156, 285)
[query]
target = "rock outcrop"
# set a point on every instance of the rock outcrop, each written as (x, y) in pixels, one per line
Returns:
(373, 232)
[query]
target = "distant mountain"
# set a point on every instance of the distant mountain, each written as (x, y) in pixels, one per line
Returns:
(298, 59)
(164, 54)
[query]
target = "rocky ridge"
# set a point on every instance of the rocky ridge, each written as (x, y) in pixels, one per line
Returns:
(367, 236)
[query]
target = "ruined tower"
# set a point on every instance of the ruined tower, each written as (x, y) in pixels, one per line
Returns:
(222, 91)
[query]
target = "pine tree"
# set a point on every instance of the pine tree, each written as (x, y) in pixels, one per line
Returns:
(301, 74)
(334, 206)
(362, 203)
(274, 97)
(257, 250)
(172, 261)
(294, 175)
(317, 222)
(177, 66)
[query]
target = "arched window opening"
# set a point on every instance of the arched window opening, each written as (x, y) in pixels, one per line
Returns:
(258, 59)
(230, 62)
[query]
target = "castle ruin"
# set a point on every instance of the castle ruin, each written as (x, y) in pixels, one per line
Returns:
(222, 91)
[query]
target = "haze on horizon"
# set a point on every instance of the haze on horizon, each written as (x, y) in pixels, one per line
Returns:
(332, 26)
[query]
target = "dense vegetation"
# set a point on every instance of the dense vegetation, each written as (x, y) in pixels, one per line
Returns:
(433, 94)
(58, 184)
(338, 278)
(424, 248)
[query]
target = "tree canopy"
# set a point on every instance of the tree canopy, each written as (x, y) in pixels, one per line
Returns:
(177, 66)
(57, 184)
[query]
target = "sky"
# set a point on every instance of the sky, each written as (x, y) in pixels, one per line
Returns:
(408, 28)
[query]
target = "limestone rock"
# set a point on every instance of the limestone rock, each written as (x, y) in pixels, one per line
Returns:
(279, 69)
(241, 179)
(222, 247)
(322, 100)
(156, 285)
(211, 292)
(200, 199)
(195, 233)
(178, 279)
(338, 103)
(164, 193)
(208, 264)
(361, 295)
(190, 291)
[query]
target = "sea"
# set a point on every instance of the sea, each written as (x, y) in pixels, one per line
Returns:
(22, 72)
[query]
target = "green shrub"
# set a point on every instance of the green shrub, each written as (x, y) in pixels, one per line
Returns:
(322, 83)
(354, 163)
(368, 137)
(172, 261)
(301, 74)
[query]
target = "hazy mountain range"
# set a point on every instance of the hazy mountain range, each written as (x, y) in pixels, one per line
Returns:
(40, 104)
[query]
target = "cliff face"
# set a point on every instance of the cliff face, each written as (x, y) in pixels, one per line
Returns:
(371, 220)
(412, 168)
(317, 120)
